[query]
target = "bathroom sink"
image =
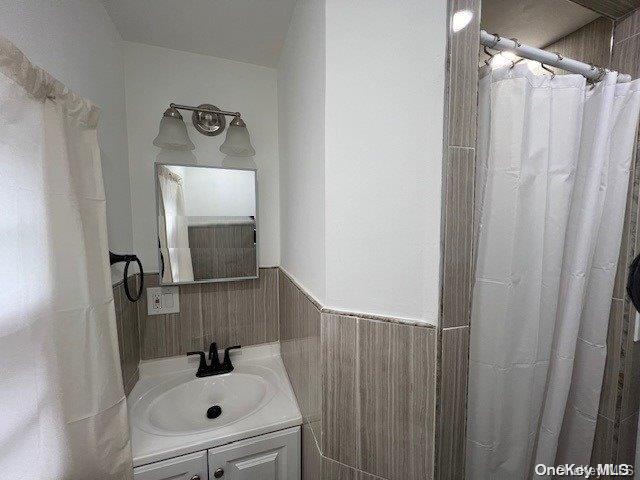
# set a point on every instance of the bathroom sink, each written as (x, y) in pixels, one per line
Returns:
(179, 405)
(168, 406)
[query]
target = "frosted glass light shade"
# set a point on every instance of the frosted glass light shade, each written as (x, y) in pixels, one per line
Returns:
(237, 143)
(173, 132)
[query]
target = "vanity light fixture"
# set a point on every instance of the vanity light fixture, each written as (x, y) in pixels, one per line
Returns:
(208, 120)
(172, 132)
(238, 143)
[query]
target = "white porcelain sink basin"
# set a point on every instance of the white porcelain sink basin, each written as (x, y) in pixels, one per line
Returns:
(168, 406)
(178, 406)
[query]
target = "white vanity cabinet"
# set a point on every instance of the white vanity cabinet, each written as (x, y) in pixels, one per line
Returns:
(273, 456)
(186, 467)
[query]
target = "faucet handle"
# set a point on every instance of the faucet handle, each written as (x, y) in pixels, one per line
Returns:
(202, 366)
(226, 363)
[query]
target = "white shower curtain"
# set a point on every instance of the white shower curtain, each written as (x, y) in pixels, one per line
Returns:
(176, 228)
(63, 409)
(552, 176)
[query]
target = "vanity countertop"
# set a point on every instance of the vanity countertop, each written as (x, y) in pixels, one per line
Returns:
(168, 406)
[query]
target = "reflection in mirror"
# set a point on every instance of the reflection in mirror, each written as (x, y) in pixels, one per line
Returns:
(206, 223)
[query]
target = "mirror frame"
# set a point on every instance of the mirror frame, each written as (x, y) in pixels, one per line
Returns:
(157, 192)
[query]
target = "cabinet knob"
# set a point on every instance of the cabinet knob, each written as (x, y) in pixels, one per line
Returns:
(219, 472)
(195, 477)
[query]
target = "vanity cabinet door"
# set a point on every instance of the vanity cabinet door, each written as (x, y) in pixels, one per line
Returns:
(274, 456)
(186, 467)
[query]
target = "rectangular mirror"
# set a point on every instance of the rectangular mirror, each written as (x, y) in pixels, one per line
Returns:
(207, 230)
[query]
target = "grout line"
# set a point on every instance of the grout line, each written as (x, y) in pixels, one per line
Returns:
(379, 318)
(622, 419)
(619, 42)
(295, 283)
(461, 147)
(278, 301)
(455, 328)
(362, 315)
(358, 398)
(357, 470)
(625, 418)
(313, 434)
(132, 382)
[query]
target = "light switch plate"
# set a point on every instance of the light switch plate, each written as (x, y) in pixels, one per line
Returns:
(162, 300)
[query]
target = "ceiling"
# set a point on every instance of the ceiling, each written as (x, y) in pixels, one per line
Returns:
(534, 22)
(251, 31)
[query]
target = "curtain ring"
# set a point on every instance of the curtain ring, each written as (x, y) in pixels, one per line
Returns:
(544, 67)
(601, 72)
(518, 45)
(489, 54)
(560, 57)
(496, 39)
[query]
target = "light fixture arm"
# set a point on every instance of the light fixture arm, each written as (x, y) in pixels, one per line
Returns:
(204, 110)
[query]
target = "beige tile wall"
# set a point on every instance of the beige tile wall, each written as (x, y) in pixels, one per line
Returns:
(457, 241)
(368, 406)
(299, 318)
(223, 251)
(128, 342)
(229, 313)
(618, 412)
(590, 44)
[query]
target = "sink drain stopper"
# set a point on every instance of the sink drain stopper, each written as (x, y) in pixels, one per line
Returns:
(214, 412)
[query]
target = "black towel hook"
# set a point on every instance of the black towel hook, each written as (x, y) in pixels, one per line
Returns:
(117, 258)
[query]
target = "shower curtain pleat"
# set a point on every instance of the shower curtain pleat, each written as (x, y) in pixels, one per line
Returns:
(551, 180)
(64, 413)
(609, 126)
(176, 225)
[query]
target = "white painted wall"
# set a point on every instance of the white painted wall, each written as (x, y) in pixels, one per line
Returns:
(360, 118)
(384, 125)
(383, 153)
(76, 42)
(360, 95)
(212, 192)
(156, 76)
(301, 104)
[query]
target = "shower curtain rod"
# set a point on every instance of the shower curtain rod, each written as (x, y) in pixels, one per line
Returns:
(591, 72)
